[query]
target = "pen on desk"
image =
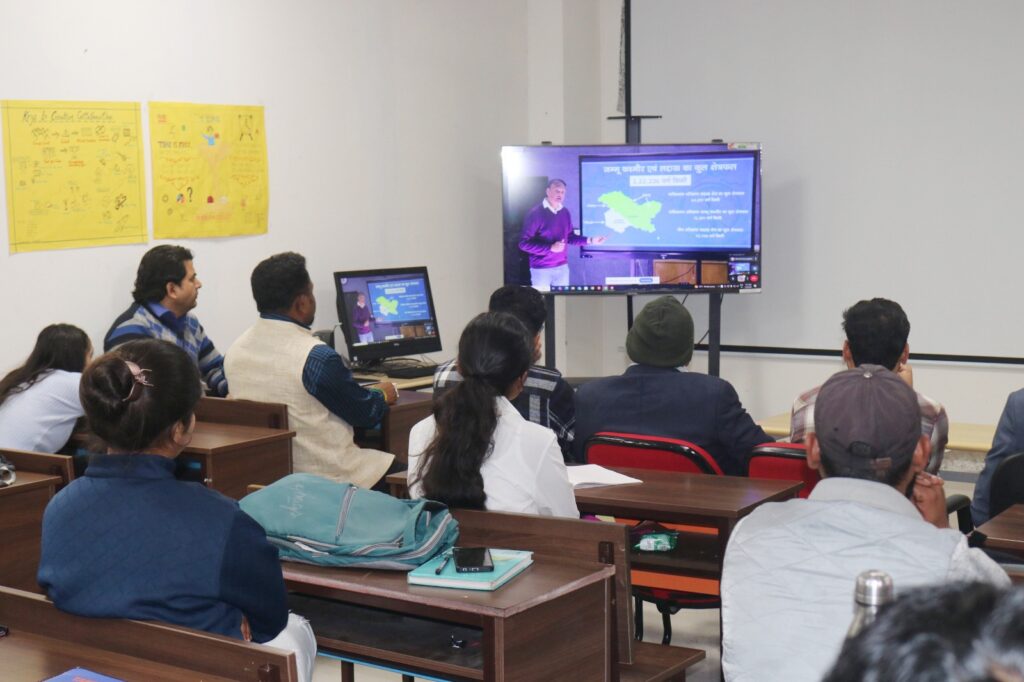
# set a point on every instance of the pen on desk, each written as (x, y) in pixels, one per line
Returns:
(437, 571)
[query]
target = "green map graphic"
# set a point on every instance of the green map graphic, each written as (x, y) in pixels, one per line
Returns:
(388, 306)
(634, 214)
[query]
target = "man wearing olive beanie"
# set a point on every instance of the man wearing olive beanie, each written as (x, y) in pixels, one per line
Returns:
(656, 396)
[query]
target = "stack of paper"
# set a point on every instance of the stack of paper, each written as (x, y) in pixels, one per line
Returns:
(590, 475)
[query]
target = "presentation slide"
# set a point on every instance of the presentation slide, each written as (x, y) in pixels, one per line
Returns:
(399, 300)
(672, 203)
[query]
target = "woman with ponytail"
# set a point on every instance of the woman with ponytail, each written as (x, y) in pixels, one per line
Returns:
(128, 540)
(39, 402)
(477, 451)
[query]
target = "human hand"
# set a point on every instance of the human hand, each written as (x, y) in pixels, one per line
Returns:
(389, 390)
(246, 630)
(558, 247)
(930, 499)
(906, 372)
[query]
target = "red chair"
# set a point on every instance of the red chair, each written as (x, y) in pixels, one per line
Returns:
(783, 461)
(613, 449)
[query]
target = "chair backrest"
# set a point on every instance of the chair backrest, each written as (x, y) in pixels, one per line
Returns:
(609, 448)
(783, 461)
(242, 412)
(1007, 484)
(607, 543)
(207, 654)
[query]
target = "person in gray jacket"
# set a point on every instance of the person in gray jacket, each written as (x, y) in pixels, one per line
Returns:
(790, 567)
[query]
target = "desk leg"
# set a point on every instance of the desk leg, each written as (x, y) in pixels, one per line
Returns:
(348, 671)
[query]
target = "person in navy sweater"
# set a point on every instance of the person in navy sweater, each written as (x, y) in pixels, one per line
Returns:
(128, 540)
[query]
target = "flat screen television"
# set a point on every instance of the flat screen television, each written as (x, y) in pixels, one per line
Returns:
(633, 218)
(386, 313)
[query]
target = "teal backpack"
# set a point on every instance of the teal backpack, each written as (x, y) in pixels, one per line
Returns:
(316, 520)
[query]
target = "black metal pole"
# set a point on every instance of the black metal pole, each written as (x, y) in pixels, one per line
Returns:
(714, 332)
(549, 332)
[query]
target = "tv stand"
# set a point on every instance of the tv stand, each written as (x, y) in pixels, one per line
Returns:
(714, 345)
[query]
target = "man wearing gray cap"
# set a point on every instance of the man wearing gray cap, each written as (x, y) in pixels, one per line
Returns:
(790, 567)
(657, 396)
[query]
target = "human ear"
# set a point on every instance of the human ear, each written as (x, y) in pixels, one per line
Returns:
(813, 452)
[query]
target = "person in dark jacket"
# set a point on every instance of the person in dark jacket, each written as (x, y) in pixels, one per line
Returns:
(128, 540)
(657, 396)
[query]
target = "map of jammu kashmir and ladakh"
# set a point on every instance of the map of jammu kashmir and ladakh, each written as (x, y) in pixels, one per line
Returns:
(388, 306)
(624, 212)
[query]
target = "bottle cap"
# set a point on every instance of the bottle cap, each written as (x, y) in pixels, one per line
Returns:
(874, 588)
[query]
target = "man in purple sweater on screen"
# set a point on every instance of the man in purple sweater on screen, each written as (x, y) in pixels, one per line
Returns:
(547, 234)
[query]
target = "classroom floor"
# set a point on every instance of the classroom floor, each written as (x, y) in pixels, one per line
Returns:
(697, 629)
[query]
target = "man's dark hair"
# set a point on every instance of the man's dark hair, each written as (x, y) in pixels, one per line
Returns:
(161, 265)
(526, 303)
(278, 281)
(956, 632)
(877, 331)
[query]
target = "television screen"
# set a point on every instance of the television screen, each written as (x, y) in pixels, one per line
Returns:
(386, 313)
(633, 218)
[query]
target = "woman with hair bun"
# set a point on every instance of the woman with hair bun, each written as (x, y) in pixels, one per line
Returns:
(128, 540)
(39, 402)
(477, 451)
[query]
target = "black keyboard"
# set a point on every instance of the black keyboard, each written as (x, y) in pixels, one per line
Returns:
(410, 372)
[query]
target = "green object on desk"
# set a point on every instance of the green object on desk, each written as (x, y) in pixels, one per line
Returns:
(658, 542)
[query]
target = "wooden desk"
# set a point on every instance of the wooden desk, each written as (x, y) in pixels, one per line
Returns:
(695, 499)
(401, 384)
(962, 436)
(398, 420)
(41, 463)
(229, 457)
(1005, 532)
(554, 621)
(411, 407)
(44, 642)
(21, 527)
(717, 502)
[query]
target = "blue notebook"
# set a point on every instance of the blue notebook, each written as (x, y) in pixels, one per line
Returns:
(81, 675)
(508, 563)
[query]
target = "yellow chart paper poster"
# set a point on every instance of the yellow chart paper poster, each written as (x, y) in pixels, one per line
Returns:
(209, 170)
(74, 174)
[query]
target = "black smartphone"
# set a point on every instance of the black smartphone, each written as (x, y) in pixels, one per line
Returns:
(472, 559)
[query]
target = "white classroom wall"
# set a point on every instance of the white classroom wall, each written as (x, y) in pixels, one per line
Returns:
(384, 121)
(831, 90)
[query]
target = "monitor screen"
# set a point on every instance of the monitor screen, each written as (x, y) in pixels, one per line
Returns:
(633, 218)
(386, 313)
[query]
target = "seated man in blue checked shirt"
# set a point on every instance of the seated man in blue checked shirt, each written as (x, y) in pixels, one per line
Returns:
(166, 290)
(547, 399)
(278, 360)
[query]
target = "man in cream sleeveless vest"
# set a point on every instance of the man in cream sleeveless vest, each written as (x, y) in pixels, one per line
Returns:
(279, 360)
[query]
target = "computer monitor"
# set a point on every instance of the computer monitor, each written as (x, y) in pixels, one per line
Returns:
(386, 313)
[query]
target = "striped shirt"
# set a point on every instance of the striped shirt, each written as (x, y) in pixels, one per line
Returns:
(153, 321)
(547, 399)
